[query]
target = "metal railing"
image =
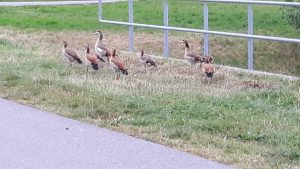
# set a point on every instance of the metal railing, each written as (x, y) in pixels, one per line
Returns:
(250, 36)
(49, 3)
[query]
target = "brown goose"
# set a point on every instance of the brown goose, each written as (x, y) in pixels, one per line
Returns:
(146, 60)
(191, 57)
(70, 54)
(91, 57)
(209, 58)
(117, 65)
(208, 68)
(101, 49)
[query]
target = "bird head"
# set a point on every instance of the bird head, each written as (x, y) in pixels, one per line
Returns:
(99, 33)
(142, 52)
(86, 47)
(114, 53)
(185, 43)
(64, 43)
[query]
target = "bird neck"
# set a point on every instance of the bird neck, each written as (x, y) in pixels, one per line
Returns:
(100, 38)
(186, 51)
(109, 58)
(99, 41)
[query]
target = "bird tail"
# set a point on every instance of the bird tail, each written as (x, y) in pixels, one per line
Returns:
(100, 58)
(151, 63)
(78, 60)
(95, 66)
(125, 72)
(209, 74)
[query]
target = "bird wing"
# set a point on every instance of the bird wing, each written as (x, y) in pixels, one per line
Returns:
(150, 61)
(100, 58)
(196, 58)
(92, 58)
(118, 63)
(208, 68)
(102, 46)
(72, 53)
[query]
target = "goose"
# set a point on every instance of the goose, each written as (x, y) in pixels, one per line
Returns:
(209, 58)
(208, 69)
(117, 65)
(191, 57)
(146, 60)
(91, 57)
(101, 49)
(70, 54)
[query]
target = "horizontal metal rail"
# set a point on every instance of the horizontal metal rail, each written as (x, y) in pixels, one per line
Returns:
(54, 3)
(256, 2)
(204, 31)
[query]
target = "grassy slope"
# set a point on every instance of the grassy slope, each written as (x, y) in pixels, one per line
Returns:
(228, 51)
(228, 120)
(268, 20)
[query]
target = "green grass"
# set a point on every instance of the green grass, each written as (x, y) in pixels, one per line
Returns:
(223, 17)
(269, 56)
(227, 120)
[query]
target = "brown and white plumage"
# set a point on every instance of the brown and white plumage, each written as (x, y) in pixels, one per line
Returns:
(70, 54)
(208, 58)
(191, 57)
(101, 49)
(147, 61)
(117, 64)
(91, 58)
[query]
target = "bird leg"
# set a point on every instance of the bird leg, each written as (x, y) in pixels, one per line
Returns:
(87, 69)
(145, 67)
(208, 80)
(118, 76)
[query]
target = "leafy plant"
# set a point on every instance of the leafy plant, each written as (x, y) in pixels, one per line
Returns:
(252, 136)
(292, 15)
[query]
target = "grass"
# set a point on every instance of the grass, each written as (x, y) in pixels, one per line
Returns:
(229, 120)
(268, 20)
(269, 56)
(244, 120)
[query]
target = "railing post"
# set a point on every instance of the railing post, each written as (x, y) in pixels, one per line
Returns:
(100, 9)
(205, 15)
(250, 40)
(131, 33)
(166, 31)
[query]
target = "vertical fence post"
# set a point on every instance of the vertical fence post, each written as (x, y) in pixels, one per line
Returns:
(131, 33)
(250, 40)
(166, 31)
(205, 15)
(100, 9)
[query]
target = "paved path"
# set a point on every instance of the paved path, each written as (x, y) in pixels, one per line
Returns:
(34, 139)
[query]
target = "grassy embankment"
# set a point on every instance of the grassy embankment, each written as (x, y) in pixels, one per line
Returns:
(231, 120)
(269, 56)
(247, 121)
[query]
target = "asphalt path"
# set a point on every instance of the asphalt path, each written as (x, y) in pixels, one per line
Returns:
(34, 139)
